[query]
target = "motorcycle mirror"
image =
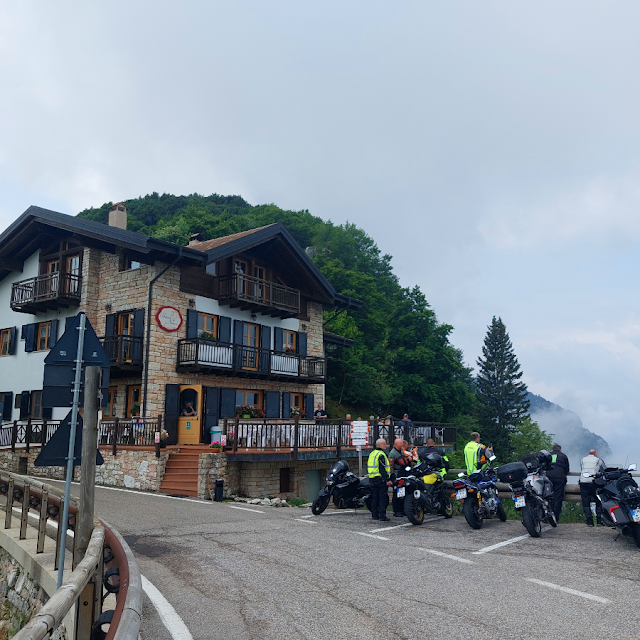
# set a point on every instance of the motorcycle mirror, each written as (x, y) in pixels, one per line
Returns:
(492, 458)
(460, 475)
(632, 467)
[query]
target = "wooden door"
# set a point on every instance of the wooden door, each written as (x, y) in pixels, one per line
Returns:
(250, 339)
(189, 420)
(126, 323)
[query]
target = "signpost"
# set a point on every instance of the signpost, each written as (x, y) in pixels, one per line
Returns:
(359, 438)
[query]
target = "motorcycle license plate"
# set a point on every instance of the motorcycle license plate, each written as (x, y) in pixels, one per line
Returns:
(400, 492)
(461, 494)
(519, 502)
(635, 514)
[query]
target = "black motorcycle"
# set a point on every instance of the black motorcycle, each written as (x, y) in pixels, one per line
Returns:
(531, 490)
(348, 490)
(479, 496)
(418, 499)
(619, 496)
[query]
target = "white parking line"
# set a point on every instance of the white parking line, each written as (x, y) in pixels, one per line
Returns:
(369, 535)
(170, 618)
(306, 516)
(245, 509)
(340, 513)
(505, 543)
(574, 592)
(446, 555)
(395, 526)
(307, 521)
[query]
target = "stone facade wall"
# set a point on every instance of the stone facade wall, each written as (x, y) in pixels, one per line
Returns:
(212, 467)
(20, 598)
(315, 337)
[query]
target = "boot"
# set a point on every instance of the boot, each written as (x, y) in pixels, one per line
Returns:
(589, 521)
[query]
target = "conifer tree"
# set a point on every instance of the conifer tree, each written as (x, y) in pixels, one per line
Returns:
(502, 396)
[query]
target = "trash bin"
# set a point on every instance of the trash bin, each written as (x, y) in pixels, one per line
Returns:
(219, 490)
(216, 434)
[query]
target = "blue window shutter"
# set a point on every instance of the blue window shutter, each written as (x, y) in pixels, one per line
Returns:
(192, 323)
(13, 340)
(302, 343)
(286, 405)
(171, 411)
(25, 404)
(238, 330)
(7, 409)
(138, 323)
(278, 339)
(211, 410)
(265, 344)
(308, 401)
(227, 402)
(29, 337)
(110, 325)
(272, 404)
(53, 334)
(224, 329)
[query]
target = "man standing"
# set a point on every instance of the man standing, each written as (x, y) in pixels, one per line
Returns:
(557, 473)
(399, 462)
(379, 472)
(474, 453)
(590, 466)
(431, 448)
(320, 414)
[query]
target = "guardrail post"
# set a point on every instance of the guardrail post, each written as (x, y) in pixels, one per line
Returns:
(24, 515)
(28, 435)
(60, 535)
(115, 436)
(14, 436)
(42, 523)
(8, 514)
(296, 432)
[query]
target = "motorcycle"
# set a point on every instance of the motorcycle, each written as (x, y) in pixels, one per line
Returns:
(619, 496)
(531, 490)
(417, 498)
(479, 496)
(348, 490)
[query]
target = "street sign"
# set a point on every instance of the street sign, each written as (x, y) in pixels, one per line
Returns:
(59, 366)
(359, 433)
(56, 451)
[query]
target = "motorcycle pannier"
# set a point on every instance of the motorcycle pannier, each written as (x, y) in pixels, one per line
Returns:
(512, 472)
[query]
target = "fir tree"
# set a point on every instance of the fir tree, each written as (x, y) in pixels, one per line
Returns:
(502, 396)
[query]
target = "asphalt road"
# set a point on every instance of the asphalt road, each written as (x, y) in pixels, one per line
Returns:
(264, 572)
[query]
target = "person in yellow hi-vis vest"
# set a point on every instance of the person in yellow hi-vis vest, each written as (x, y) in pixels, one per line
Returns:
(379, 472)
(475, 454)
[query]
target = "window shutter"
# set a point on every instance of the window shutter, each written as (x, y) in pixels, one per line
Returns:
(278, 339)
(238, 330)
(265, 345)
(12, 340)
(138, 323)
(29, 335)
(110, 325)
(227, 402)
(308, 402)
(224, 329)
(272, 404)
(67, 321)
(7, 405)
(302, 343)
(211, 411)
(192, 323)
(171, 411)
(25, 405)
(286, 405)
(53, 334)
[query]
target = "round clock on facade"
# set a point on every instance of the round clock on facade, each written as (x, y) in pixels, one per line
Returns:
(169, 318)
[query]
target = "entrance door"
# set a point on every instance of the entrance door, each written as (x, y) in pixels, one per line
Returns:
(73, 269)
(250, 339)
(189, 420)
(125, 331)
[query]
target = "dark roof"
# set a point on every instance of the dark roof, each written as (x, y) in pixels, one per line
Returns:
(205, 245)
(334, 338)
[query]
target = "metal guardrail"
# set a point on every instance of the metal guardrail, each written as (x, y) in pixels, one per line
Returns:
(108, 564)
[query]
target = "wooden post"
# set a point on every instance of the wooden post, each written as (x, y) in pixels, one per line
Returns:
(24, 515)
(235, 441)
(115, 437)
(296, 431)
(14, 435)
(339, 443)
(160, 432)
(9, 506)
(42, 523)
(28, 435)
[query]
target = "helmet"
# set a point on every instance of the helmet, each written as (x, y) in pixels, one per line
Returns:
(544, 457)
(340, 467)
(434, 460)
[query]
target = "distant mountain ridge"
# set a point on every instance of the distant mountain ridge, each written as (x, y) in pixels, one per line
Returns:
(566, 427)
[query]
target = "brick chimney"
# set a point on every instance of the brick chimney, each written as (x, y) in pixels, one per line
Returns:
(118, 215)
(196, 238)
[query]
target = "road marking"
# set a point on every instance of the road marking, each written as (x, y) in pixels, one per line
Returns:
(307, 521)
(395, 526)
(306, 516)
(170, 618)
(340, 513)
(245, 509)
(446, 555)
(369, 535)
(505, 543)
(574, 592)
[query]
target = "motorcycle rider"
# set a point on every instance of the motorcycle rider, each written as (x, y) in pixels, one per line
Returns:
(590, 466)
(400, 461)
(475, 454)
(379, 472)
(557, 473)
(431, 448)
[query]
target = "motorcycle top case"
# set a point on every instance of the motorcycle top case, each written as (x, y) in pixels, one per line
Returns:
(512, 472)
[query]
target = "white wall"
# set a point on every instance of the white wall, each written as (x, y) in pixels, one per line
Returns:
(24, 371)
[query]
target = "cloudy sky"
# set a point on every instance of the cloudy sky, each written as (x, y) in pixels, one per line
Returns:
(491, 147)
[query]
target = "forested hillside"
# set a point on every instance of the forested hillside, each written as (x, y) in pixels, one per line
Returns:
(402, 359)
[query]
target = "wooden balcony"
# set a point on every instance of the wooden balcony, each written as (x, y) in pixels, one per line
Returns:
(261, 296)
(125, 353)
(49, 291)
(198, 355)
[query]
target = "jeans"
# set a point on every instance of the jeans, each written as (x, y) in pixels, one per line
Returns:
(379, 499)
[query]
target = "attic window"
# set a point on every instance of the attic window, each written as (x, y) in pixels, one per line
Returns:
(126, 263)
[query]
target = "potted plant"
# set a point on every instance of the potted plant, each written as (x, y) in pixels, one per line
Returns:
(215, 446)
(163, 438)
(244, 411)
(257, 413)
(299, 412)
(206, 335)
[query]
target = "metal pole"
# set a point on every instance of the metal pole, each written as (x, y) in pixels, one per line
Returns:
(72, 442)
(88, 460)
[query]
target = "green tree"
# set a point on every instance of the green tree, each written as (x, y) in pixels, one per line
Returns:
(528, 438)
(502, 396)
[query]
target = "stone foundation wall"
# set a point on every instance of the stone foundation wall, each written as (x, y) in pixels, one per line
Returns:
(20, 598)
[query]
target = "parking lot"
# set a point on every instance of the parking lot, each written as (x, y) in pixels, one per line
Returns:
(230, 570)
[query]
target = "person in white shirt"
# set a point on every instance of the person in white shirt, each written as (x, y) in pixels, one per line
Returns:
(590, 466)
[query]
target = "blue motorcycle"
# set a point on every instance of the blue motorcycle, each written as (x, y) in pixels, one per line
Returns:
(478, 493)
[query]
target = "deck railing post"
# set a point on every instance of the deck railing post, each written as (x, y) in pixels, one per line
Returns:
(339, 443)
(296, 432)
(160, 432)
(236, 434)
(43, 433)
(14, 435)
(28, 435)
(116, 426)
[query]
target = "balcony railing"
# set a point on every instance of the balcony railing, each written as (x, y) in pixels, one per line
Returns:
(49, 291)
(123, 351)
(199, 354)
(257, 294)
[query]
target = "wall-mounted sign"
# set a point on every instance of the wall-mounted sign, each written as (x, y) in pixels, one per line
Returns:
(169, 318)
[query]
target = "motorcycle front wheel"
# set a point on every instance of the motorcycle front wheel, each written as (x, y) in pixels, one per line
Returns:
(446, 509)
(502, 514)
(531, 521)
(470, 511)
(320, 504)
(413, 509)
